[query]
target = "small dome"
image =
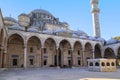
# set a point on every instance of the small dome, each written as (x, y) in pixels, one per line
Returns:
(92, 38)
(32, 30)
(101, 39)
(75, 36)
(41, 11)
(47, 32)
(112, 41)
(10, 19)
(83, 37)
(80, 33)
(15, 27)
(61, 30)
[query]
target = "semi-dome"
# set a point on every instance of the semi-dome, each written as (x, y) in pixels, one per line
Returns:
(31, 29)
(41, 11)
(10, 19)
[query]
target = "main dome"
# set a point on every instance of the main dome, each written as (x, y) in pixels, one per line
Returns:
(41, 11)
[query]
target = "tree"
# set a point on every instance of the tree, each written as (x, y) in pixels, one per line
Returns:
(117, 38)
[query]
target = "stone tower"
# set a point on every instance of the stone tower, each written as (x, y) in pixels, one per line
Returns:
(95, 17)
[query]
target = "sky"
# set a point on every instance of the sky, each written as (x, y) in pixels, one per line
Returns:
(75, 12)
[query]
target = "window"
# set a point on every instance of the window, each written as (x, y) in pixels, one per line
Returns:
(91, 64)
(31, 50)
(112, 64)
(79, 63)
(96, 64)
(45, 62)
(108, 64)
(31, 61)
(69, 52)
(15, 62)
(78, 52)
(103, 64)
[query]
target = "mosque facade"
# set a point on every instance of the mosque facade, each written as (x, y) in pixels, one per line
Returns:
(38, 39)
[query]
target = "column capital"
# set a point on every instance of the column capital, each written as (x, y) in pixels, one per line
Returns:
(42, 47)
(57, 47)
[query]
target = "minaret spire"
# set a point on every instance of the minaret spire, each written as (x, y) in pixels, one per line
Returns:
(95, 17)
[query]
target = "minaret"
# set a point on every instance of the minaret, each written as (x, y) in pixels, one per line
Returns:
(95, 17)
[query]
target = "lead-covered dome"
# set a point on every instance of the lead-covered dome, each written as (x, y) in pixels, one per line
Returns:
(80, 33)
(10, 19)
(41, 11)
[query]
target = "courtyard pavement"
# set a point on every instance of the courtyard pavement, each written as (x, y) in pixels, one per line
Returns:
(55, 74)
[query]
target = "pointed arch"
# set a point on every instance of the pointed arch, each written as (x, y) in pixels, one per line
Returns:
(34, 51)
(50, 52)
(78, 54)
(65, 53)
(15, 50)
(109, 53)
(87, 53)
(97, 51)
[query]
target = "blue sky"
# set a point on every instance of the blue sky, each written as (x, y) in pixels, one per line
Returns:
(75, 12)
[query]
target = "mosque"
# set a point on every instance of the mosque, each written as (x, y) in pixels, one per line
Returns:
(38, 39)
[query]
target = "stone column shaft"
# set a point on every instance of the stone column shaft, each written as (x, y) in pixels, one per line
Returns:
(93, 53)
(57, 56)
(25, 57)
(72, 58)
(42, 56)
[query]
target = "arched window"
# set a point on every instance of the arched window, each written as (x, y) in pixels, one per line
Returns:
(108, 64)
(91, 64)
(113, 64)
(31, 50)
(78, 52)
(103, 64)
(96, 64)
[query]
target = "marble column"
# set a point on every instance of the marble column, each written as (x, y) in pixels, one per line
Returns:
(93, 53)
(4, 59)
(57, 56)
(71, 58)
(42, 56)
(83, 58)
(25, 57)
(1, 57)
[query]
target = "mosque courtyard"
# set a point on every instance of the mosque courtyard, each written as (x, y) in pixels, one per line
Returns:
(55, 74)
